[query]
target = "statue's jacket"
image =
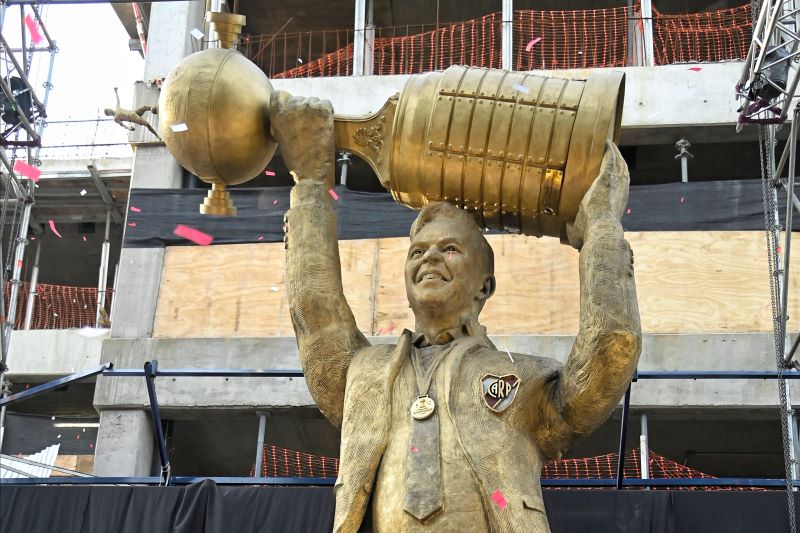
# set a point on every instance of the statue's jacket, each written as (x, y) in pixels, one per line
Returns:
(352, 381)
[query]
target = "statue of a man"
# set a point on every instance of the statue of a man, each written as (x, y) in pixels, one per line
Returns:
(442, 432)
(134, 116)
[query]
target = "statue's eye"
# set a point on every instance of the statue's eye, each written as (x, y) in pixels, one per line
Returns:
(416, 253)
(450, 248)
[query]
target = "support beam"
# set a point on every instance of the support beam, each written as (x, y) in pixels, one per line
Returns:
(34, 282)
(104, 194)
(359, 37)
(647, 25)
(507, 52)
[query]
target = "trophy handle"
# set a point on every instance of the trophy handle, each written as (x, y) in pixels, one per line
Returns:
(369, 137)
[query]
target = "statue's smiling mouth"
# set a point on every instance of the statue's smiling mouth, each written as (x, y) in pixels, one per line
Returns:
(427, 275)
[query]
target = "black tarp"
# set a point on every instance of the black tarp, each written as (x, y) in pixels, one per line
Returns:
(700, 206)
(208, 508)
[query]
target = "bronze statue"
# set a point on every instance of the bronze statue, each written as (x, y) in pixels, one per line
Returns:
(442, 431)
(134, 116)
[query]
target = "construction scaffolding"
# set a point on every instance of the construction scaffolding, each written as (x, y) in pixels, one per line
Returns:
(768, 89)
(22, 122)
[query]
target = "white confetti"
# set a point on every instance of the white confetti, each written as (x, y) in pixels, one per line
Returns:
(273, 288)
(521, 88)
(92, 332)
(197, 34)
(299, 60)
(83, 192)
(59, 436)
(177, 128)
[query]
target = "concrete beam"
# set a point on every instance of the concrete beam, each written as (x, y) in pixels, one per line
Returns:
(661, 352)
(42, 355)
(662, 103)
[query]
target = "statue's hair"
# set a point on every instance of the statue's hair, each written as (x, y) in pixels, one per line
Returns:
(439, 210)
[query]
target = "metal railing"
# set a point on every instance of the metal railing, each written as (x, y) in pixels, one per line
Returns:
(151, 371)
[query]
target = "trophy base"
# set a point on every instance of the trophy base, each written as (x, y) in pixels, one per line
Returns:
(218, 202)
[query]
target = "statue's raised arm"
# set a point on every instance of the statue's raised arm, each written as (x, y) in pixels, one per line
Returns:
(327, 335)
(606, 351)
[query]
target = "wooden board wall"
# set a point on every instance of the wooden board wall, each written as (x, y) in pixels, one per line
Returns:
(687, 282)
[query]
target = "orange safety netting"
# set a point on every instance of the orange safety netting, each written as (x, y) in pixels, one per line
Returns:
(713, 36)
(280, 462)
(541, 40)
(57, 306)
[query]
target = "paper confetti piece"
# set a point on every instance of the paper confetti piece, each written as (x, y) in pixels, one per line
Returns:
(36, 37)
(628, 212)
(19, 263)
(132, 224)
(499, 499)
(53, 228)
(29, 171)
(194, 235)
(521, 88)
(414, 449)
(84, 238)
(696, 69)
(269, 172)
(274, 202)
(84, 192)
(531, 43)
(333, 194)
(135, 209)
(260, 237)
(197, 34)
(681, 199)
(177, 128)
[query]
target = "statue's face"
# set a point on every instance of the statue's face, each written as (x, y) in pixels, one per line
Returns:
(444, 267)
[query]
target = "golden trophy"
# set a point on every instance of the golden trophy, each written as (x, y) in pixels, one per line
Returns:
(518, 150)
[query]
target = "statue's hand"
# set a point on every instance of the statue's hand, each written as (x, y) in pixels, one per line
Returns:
(303, 128)
(605, 200)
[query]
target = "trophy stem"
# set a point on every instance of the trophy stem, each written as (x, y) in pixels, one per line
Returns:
(218, 202)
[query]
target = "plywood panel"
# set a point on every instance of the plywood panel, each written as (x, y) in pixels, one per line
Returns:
(239, 290)
(687, 282)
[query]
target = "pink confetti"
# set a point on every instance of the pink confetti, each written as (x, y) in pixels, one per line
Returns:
(533, 41)
(499, 499)
(84, 238)
(91, 445)
(19, 263)
(53, 228)
(27, 170)
(135, 209)
(194, 235)
(682, 199)
(628, 211)
(132, 224)
(414, 449)
(274, 202)
(696, 69)
(333, 194)
(269, 172)
(36, 37)
(260, 237)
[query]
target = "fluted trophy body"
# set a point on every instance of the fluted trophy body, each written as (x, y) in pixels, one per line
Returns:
(518, 150)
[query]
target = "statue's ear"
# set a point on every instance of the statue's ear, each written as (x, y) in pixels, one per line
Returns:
(488, 287)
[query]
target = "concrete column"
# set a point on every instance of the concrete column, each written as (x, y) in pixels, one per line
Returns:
(125, 438)
(124, 444)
